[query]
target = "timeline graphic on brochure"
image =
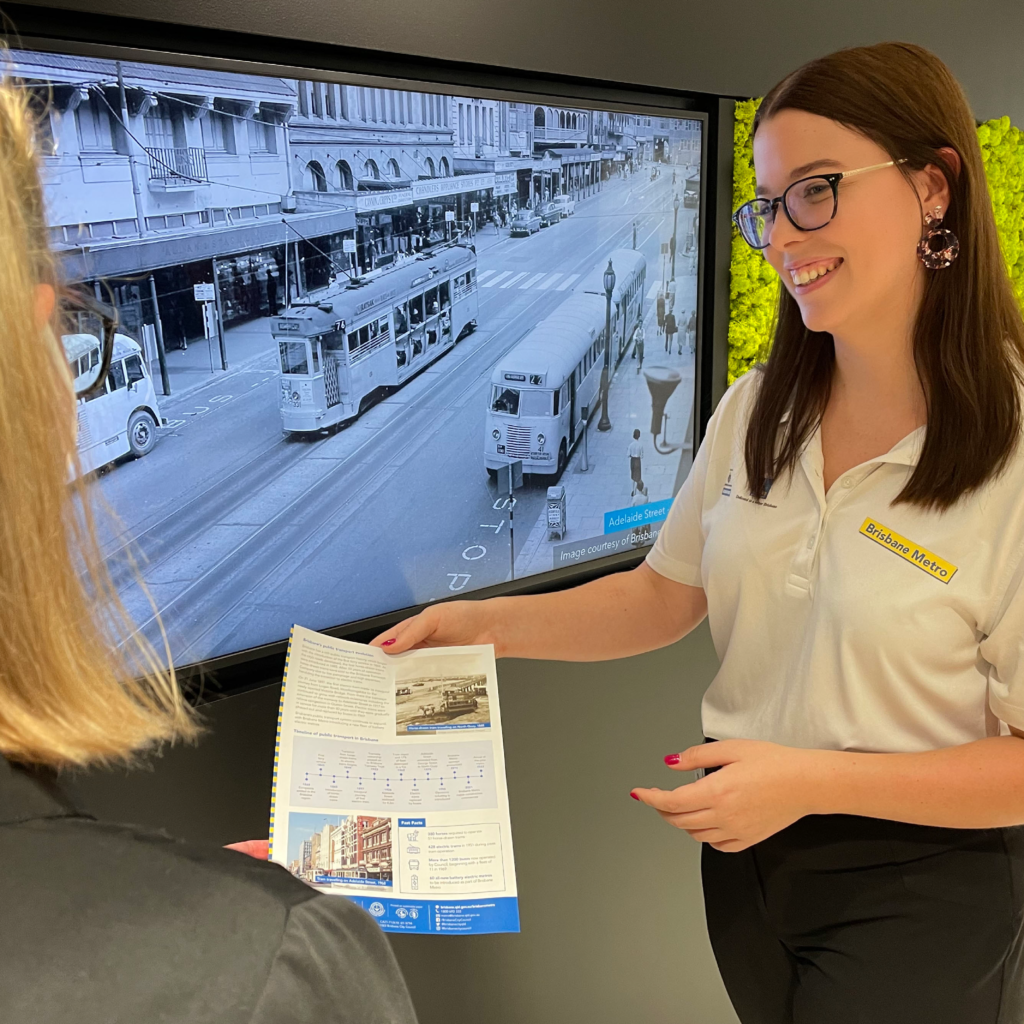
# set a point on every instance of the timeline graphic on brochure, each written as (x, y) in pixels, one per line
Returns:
(389, 784)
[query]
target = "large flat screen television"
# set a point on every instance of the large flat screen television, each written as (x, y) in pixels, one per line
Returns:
(379, 336)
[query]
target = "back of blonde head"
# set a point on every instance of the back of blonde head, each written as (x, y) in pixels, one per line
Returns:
(69, 695)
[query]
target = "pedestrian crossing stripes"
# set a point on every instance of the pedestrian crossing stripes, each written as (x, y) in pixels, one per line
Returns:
(533, 280)
(523, 280)
(494, 280)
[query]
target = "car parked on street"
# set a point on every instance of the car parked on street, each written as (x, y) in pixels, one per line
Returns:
(691, 194)
(549, 213)
(566, 204)
(525, 222)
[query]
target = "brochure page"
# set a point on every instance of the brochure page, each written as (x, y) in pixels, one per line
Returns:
(389, 784)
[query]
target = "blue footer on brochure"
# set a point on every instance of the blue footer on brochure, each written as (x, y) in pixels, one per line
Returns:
(453, 917)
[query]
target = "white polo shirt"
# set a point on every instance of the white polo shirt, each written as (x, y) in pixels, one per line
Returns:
(842, 621)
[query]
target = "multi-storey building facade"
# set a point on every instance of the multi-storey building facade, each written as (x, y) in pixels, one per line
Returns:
(377, 846)
(159, 177)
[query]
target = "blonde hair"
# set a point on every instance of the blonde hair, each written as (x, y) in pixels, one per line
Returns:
(73, 690)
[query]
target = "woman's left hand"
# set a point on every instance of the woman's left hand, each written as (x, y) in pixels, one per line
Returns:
(257, 848)
(759, 789)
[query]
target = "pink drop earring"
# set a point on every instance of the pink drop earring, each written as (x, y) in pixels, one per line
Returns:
(939, 246)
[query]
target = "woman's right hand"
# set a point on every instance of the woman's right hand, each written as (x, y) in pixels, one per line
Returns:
(450, 624)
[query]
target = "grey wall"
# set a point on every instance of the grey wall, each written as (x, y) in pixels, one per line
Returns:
(734, 47)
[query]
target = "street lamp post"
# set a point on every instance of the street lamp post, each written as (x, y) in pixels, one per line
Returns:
(609, 287)
(675, 223)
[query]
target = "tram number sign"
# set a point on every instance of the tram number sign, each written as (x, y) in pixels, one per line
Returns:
(203, 292)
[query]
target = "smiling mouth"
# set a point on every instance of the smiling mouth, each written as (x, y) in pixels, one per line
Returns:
(812, 271)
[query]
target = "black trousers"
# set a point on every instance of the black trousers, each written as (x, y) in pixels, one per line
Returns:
(846, 920)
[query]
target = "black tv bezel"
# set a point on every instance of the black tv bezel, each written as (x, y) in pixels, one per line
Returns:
(56, 30)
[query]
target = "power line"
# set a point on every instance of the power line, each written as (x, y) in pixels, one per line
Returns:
(174, 170)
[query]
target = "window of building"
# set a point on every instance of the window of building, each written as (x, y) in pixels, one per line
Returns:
(165, 128)
(262, 129)
(394, 170)
(431, 170)
(462, 125)
(332, 102)
(445, 167)
(345, 181)
(95, 127)
(218, 132)
(316, 95)
(371, 170)
(317, 178)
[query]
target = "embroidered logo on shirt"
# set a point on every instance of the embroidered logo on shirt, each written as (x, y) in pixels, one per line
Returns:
(926, 561)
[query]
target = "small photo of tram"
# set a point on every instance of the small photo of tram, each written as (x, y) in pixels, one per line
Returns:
(432, 703)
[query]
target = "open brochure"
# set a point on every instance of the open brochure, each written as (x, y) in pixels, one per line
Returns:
(389, 784)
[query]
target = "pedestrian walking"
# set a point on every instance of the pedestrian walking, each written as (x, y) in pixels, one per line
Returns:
(661, 313)
(670, 330)
(638, 344)
(636, 457)
(691, 331)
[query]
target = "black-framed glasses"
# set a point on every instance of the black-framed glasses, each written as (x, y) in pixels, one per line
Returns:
(87, 328)
(810, 204)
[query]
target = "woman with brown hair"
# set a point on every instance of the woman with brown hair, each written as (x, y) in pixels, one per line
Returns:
(105, 922)
(854, 529)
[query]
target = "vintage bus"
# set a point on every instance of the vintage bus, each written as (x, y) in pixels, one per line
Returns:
(121, 418)
(344, 348)
(541, 386)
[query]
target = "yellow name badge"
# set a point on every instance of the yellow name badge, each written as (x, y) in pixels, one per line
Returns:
(925, 560)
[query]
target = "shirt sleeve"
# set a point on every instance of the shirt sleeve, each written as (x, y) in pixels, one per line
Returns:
(679, 548)
(1003, 650)
(334, 965)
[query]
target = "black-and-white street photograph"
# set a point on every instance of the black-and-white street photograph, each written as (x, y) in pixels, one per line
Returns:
(374, 347)
(429, 703)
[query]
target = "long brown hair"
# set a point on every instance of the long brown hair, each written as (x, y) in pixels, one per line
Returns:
(69, 693)
(968, 338)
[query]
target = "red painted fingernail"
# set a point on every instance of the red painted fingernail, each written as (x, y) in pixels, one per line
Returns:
(634, 796)
(388, 643)
(671, 759)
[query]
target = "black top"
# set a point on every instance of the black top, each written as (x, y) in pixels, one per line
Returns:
(104, 924)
